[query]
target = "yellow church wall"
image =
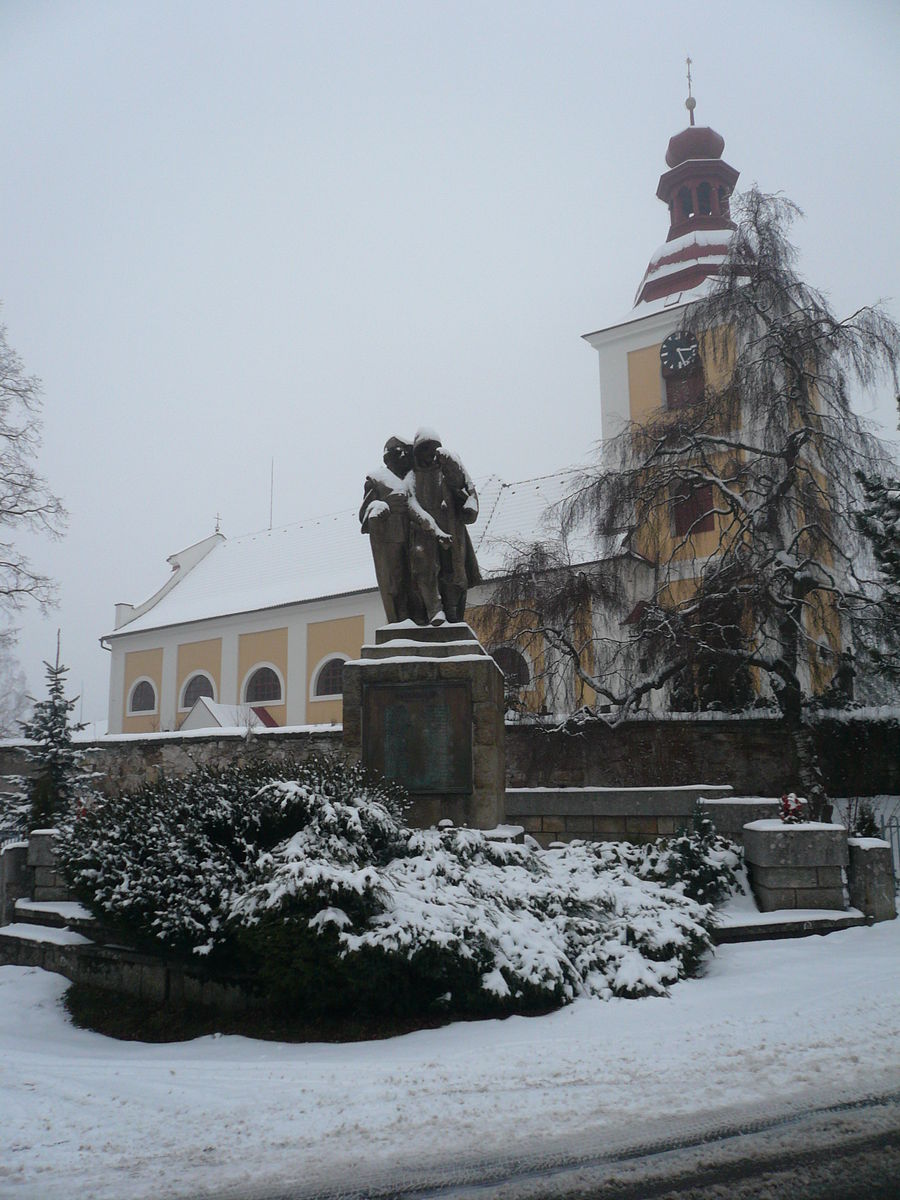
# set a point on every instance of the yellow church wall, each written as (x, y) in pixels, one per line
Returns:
(268, 647)
(585, 696)
(717, 356)
(823, 625)
(644, 383)
(482, 619)
(324, 639)
(142, 664)
(198, 656)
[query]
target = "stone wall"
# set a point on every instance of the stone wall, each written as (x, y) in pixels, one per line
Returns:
(756, 757)
(859, 756)
(636, 815)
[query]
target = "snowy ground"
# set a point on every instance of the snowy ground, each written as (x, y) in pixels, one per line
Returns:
(772, 1025)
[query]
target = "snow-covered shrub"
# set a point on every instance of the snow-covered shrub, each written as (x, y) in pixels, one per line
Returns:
(858, 813)
(164, 864)
(485, 926)
(699, 862)
(306, 879)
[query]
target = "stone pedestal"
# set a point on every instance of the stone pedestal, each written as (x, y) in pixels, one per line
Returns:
(796, 866)
(424, 707)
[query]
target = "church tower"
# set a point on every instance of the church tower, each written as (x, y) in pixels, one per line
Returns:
(647, 361)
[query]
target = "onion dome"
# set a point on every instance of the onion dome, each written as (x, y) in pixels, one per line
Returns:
(697, 141)
(696, 189)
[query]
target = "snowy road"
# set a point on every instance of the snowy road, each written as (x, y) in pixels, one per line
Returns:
(773, 1029)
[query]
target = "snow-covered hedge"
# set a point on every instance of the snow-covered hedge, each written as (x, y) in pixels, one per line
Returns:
(308, 880)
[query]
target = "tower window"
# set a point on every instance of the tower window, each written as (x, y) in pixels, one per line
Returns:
(704, 200)
(723, 202)
(686, 203)
(683, 390)
(692, 510)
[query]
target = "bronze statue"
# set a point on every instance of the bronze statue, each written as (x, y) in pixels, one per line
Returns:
(416, 513)
(384, 516)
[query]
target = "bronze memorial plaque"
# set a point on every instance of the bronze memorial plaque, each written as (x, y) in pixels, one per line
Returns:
(420, 735)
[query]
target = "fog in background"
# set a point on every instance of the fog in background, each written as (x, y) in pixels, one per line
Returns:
(234, 232)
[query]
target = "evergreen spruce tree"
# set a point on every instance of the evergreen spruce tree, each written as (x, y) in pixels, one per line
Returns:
(53, 786)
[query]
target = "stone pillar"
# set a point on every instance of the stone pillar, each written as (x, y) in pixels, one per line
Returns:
(796, 866)
(16, 879)
(424, 706)
(870, 876)
(48, 882)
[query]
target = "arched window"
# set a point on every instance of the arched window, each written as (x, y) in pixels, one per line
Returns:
(263, 687)
(198, 685)
(513, 664)
(704, 199)
(329, 678)
(143, 697)
(686, 203)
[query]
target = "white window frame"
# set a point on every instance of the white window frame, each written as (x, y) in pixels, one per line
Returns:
(258, 667)
(143, 712)
(182, 707)
(314, 677)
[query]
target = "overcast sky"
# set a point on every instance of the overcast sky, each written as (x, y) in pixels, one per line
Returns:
(238, 232)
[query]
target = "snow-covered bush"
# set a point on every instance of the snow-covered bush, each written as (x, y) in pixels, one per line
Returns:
(700, 862)
(164, 864)
(307, 880)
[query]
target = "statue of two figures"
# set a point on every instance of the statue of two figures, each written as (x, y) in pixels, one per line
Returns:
(416, 509)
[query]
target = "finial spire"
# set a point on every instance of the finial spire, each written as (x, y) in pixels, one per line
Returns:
(690, 104)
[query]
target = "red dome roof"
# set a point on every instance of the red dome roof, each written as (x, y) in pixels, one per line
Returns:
(697, 141)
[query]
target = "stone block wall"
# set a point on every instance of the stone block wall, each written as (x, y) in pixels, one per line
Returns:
(755, 756)
(859, 756)
(603, 814)
(730, 815)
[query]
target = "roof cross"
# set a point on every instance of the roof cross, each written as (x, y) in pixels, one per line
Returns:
(690, 104)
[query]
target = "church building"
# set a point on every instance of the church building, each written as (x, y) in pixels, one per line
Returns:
(267, 620)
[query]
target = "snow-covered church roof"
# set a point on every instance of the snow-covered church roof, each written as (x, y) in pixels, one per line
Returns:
(325, 557)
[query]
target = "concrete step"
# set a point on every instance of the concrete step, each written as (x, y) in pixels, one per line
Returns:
(787, 923)
(23, 944)
(56, 914)
(408, 648)
(407, 631)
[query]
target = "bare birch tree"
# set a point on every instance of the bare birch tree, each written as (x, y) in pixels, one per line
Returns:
(741, 504)
(26, 502)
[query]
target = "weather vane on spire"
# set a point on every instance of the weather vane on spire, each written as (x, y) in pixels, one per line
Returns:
(690, 104)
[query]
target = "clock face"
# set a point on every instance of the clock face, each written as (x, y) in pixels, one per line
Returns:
(678, 352)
